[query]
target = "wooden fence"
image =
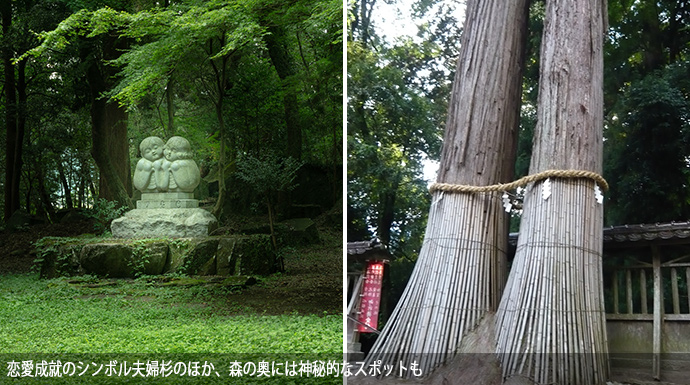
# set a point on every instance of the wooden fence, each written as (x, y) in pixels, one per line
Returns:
(656, 292)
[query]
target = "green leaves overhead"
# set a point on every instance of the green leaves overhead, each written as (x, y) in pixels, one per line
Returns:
(163, 39)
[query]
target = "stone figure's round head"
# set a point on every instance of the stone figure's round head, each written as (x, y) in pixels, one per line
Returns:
(152, 148)
(178, 148)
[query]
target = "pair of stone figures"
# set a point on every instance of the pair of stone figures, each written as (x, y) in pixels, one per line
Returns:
(166, 175)
(166, 167)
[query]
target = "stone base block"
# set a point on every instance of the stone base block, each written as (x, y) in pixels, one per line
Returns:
(168, 204)
(166, 196)
(167, 223)
(235, 255)
(167, 200)
(121, 260)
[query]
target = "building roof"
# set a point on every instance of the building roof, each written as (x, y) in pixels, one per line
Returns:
(639, 235)
(366, 250)
(673, 232)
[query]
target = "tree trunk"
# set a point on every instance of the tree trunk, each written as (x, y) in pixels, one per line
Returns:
(282, 61)
(387, 212)
(46, 202)
(65, 185)
(551, 321)
(461, 267)
(220, 68)
(12, 146)
(170, 131)
(109, 142)
(218, 209)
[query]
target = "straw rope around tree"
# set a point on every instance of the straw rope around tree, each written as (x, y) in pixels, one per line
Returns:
(522, 182)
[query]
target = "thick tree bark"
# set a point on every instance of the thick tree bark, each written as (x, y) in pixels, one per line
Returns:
(109, 145)
(551, 322)
(109, 142)
(462, 264)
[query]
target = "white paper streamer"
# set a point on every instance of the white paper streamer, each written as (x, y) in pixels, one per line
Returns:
(506, 202)
(598, 195)
(546, 189)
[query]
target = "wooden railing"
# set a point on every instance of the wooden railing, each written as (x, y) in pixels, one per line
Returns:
(629, 288)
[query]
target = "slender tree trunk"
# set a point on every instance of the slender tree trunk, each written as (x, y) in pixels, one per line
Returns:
(271, 223)
(387, 213)
(170, 106)
(222, 191)
(220, 68)
(461, 268)
(12, 174)
(46, 202)
(551, 321)
(282, 61)
(21, 128)
(65, 185)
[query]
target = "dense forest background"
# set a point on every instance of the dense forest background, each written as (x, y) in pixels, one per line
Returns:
(256, 82)
(398, 91)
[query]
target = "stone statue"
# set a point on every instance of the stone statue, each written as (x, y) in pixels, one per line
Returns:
(177, 172)
(145, 174)
(166, 175)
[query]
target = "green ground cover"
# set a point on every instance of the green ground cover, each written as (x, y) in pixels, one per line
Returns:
(128, 320)
(107, 331)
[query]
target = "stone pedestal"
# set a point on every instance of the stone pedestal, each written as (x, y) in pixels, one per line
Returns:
(174, 200)
(165, 215)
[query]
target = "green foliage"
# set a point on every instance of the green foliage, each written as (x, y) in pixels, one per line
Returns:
(141, 256)
(648, 148)
(49, 246)
(104, 211)
(269, 173)
(397, 100)
(132, 320)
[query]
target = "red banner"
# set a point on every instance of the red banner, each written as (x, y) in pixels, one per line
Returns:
(371, 298)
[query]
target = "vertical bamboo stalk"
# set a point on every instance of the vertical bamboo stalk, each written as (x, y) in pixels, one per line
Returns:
(616, 310)
(643, 291)
(628, 291)
(658, 310)
(674, 291)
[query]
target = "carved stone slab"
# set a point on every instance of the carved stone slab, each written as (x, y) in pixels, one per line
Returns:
(167, 223)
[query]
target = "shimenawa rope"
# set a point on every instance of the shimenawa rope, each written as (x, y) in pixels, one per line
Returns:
(571, 174)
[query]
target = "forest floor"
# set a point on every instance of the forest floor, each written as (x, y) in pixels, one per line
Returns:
(311, 283)
(294, 315)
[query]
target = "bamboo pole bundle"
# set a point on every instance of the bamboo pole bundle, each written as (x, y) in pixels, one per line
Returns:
(551, 322)
(459, 276)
